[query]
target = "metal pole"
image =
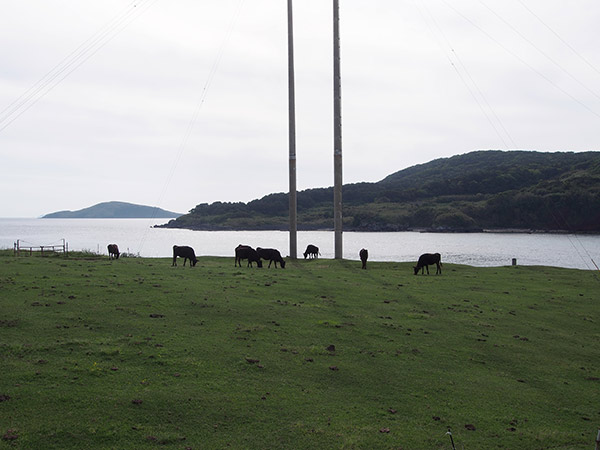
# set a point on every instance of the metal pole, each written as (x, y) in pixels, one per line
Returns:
(449, 433)
(292, 138)
(337, 133)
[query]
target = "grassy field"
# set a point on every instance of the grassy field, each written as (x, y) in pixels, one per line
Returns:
(135, 354)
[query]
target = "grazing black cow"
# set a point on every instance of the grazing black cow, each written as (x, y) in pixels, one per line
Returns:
(246, 252)
(113, 251)
(184, 252)
(272, 255)
(312, 251)
(364, 255)
(425, 260)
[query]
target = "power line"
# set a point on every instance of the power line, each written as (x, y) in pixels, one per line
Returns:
(73, 61)
(186, 136)
(556, 63)
(558, 214)
(560, 38)
(572, 97)
(467, 86)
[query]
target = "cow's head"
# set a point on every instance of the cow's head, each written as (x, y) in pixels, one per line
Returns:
(259, 263)
(282, 262)
(416, 269)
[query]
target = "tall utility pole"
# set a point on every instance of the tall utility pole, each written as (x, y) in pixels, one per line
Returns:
(337, 133)
(292, 137)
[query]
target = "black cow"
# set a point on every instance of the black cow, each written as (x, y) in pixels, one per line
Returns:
(184, 252)
(246, 252)
(425, 260)
(272, 255)
(113, 251)
(312, 251)
(364, 255)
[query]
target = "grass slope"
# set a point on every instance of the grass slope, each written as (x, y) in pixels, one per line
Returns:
(137, 354)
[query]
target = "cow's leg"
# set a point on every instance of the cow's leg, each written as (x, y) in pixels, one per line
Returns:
(174, 261)
(439, 269)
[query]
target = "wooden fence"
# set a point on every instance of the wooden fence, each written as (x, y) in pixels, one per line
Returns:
(20, 249)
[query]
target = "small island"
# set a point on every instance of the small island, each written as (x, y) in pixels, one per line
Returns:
(115, 210)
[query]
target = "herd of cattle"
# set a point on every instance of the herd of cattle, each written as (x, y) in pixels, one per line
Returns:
(274, 256)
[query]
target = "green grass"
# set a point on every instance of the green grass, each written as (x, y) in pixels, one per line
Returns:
(135, 354)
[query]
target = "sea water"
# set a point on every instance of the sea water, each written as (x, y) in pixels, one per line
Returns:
(139, 237)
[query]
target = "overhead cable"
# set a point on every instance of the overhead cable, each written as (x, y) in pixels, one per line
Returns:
(540, 74)
(552, 60)
(73, 61)
(579, 55)
(196, 113)
(464, 81)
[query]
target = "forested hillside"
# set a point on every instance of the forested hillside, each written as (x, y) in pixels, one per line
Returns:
(474, 191)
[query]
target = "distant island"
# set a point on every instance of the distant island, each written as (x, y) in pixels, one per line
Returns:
(483, 190)
(114, 210)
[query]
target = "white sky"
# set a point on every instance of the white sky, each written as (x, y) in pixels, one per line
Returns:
(420, 80)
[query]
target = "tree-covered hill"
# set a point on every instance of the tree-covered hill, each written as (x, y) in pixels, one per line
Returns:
(474, 191)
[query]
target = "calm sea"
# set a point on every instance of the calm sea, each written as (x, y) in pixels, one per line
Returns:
(138, 237)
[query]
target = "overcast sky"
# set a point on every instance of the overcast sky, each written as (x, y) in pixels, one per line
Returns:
(180, 102)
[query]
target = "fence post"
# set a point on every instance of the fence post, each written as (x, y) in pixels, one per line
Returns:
(598, 440)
